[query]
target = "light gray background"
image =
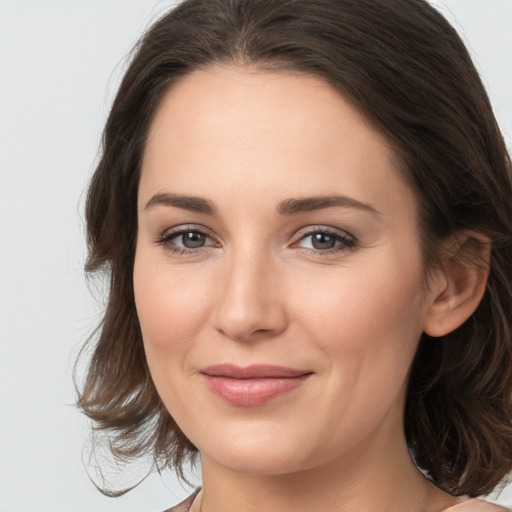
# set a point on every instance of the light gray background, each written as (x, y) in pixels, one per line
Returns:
(60, 63)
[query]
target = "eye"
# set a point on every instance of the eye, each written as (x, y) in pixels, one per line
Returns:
(325, 241)
(185, 240)
(191, 239)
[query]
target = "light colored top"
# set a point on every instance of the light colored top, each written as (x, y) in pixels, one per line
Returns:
(469, 505)
(477, 505)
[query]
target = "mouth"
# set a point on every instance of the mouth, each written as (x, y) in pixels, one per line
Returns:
(253, 385)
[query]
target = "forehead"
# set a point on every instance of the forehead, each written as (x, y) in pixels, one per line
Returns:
(271, 132)
(236, 105)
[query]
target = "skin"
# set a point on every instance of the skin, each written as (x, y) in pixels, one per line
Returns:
(259, 291)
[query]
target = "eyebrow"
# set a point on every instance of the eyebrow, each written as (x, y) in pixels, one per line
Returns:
(287, 207)
(292, 206)
(190, 203)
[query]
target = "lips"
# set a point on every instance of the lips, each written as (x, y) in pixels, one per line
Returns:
(253, 385)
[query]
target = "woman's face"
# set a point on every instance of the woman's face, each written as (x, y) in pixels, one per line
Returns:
(278, 274)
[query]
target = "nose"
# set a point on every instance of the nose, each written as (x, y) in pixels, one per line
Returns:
(250, 304)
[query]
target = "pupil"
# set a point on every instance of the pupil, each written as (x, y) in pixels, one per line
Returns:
(192, 240)
(323, 241)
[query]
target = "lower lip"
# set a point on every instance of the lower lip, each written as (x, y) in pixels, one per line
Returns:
(252, 392)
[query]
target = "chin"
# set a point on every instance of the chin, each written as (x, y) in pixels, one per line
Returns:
(257, 453)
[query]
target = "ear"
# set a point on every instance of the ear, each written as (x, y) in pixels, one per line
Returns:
(457, 289)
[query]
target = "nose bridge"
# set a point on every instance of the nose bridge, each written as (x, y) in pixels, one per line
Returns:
(249, 301)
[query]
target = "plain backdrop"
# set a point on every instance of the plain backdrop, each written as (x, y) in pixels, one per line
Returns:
(60, 63)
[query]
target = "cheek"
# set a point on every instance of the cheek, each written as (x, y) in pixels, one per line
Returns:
(367, 325)
(367, 320)
(171, 306)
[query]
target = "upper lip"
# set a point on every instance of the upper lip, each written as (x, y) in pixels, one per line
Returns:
(253, 371)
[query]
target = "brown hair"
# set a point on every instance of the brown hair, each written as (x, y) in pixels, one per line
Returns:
(406, 69)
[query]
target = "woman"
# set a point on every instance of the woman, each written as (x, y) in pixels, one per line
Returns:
(304, 210)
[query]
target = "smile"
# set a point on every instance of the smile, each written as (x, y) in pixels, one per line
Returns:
(254, 385)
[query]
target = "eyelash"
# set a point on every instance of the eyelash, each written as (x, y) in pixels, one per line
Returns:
(165, 240)
(345, 241)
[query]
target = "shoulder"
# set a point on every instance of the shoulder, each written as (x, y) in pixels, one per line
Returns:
(477, 505)
(185, 505)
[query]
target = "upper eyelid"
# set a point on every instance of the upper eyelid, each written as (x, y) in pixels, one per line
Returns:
(309, 230)
(298, 235)
(181, 228)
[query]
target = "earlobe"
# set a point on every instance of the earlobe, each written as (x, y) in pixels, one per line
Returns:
(460, 285)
